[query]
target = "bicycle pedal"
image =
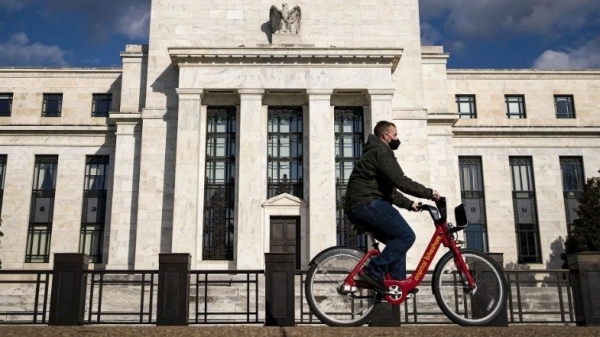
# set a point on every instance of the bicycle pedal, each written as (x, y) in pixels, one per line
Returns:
(412, 294)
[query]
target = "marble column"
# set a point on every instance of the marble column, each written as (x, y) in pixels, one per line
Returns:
(125, 189)
(381, 107)
(251, 179)
(321, 180)
(187, 208)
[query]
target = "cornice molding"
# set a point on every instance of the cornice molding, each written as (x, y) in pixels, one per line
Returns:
(522, 74)
(290, 57)
(57, 129)
(111, 73)
(529, 131)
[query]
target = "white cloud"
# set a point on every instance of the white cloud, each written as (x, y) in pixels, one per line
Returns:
(485, 19)
(12, 5)
(17, 51)
(584, 57)
(429, 34)
(106, 18)
(135, 22)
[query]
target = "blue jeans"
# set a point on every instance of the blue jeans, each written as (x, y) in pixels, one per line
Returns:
(388, 226)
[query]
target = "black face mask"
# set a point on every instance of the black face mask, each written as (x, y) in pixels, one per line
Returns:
(395, 144)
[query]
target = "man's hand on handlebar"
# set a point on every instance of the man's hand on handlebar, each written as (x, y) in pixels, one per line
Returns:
(415, 207)
(435, 196)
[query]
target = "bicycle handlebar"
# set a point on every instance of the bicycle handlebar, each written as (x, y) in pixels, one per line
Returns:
(437, 213)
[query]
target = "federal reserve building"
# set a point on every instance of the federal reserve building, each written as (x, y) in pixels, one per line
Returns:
(233, 133)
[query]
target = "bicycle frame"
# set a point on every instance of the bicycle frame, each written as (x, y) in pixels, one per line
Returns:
(399, 290)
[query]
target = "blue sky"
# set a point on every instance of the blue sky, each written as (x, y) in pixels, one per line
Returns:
(505, 34)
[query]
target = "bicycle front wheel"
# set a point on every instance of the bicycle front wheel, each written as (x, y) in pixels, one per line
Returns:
(327, 301)
(463, 305)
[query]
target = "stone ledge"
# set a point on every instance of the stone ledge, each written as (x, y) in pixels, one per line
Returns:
(340, 57)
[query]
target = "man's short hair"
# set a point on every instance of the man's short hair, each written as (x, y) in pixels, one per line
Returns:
(382, 127)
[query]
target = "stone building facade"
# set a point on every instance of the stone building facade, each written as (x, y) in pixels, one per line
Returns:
(226, 140)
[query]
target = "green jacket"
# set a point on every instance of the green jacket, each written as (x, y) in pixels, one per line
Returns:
(377, 175)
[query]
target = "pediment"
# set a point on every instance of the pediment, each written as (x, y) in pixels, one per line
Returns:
(285, 199)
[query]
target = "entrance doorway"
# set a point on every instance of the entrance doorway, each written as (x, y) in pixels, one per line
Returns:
(285, 236)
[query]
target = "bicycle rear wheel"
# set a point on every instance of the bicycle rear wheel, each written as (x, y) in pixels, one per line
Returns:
(323, 294)
(464, 306)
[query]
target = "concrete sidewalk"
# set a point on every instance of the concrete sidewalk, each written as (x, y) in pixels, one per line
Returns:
(303, 331)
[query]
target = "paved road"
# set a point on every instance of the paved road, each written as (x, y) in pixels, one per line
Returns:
(304, 331)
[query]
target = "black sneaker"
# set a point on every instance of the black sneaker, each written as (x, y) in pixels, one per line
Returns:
(372, 279)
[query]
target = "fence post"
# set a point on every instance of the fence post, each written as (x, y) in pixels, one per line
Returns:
(584, 270)
(67, 299)
(172, 307)
(502, 320)
(279, 289)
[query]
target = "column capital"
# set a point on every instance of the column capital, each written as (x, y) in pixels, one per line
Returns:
(250, 91)
(381, 92)
(189, 93)
(319, 92)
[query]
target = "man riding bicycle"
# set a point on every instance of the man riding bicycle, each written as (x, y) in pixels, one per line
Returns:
(368, 204)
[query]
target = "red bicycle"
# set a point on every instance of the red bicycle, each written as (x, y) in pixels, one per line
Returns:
(469, 287)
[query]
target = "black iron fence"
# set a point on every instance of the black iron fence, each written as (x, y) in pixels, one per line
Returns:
(540, 296)
(226, 297)
(121, 297)
(25, 296)
(237, 297)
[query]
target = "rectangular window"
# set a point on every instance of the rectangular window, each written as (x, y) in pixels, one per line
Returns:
(219, 186)
(284, 151)
(472, 195)
(93, 212)
(101, 105)
(564, 106)
(5, 105)
(349, 137)
(52, 105)
(524, 205)
(573, 180)
(2, 177)
(466, 106)
(42, 209)
(515, 106)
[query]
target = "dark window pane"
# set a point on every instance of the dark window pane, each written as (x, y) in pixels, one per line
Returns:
(52, 105)
(564, 106)
(515, 106)
(101, 105)
(349, 135)
(285, 151)
(2, 178)
(5, 105)
(472, 195)
(219, 185)
(42, 209)
(466, 106)
(93, 213)
(573, 181)
(525, 210)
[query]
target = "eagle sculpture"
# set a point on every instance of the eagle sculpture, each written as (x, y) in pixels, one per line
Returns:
(284, 20)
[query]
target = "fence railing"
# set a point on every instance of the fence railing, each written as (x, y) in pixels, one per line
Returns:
(540, 296)
(237, 297)
(25, 296)
(226, 297)
(121, 297)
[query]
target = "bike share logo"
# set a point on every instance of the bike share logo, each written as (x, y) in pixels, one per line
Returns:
(427, 258)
